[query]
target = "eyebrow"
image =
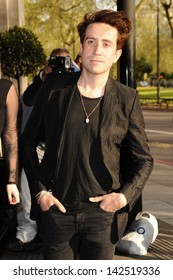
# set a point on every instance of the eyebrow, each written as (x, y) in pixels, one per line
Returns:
(86, 38)
(93, 38)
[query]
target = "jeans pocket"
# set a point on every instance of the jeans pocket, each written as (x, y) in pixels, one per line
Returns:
(51, 208)
(105, 212)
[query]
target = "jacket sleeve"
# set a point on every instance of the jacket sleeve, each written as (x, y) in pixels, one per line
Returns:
(28, 142)
(32, 91)
(140, 162)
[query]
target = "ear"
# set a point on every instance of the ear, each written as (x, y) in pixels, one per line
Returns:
(81, 48)
(117, 55)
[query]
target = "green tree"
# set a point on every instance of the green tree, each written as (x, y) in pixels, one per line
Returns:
(21, 53)
(55, 22)
(146, 36)
(168, 7)
(142, 67)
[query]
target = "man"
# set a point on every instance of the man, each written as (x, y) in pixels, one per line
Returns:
(79, 187)
(32, 90)
(26, 238)
(9, 105)
(9, 193)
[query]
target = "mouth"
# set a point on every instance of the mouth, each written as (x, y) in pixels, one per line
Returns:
(96, 61)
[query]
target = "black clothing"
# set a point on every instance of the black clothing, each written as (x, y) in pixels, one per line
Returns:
(120, 119)
(4, 88)
(7, 211)
(81, 157)
(91, 233)
(32, 90)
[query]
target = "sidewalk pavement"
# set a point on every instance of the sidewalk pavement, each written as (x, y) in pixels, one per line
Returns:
(158, 200)
(158, 192)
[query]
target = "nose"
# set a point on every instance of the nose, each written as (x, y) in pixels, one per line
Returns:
(97, 48)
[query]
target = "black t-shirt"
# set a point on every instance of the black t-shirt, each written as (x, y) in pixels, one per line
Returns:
(4, 88)
(82, 171)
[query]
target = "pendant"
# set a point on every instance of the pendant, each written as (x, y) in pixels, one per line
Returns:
(87, 120)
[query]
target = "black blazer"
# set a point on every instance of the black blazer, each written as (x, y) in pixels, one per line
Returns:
(122, 125)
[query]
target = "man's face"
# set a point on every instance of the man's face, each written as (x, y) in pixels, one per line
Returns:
(99, 49)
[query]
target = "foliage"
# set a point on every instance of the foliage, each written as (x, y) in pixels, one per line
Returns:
(167, 76)
(146, 36)
(151, 92)
(168, 7)
(142, 67)
(106, 4)
(55, 22)
(21, 52)
(149, 97)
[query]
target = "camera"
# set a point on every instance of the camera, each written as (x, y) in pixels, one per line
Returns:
(60, 64)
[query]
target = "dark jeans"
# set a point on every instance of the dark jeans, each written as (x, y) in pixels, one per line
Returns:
(88, 235)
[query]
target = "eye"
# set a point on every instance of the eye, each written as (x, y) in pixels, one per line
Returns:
(106, 44)
(90, 41)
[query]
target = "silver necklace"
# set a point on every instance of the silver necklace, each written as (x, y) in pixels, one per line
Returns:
(85, 111)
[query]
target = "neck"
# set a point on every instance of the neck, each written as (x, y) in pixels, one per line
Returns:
(92, 85)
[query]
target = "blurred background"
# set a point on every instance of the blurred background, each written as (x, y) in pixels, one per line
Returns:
(54, 23)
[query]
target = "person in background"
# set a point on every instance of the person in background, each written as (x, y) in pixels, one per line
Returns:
(27, 236)
(78, 187)
(31, 92)
(78, 61)
(9, 105)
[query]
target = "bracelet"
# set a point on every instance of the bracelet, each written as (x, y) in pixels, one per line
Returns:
(37, 195)
(11, 183)
(40, 195)
(14, 184)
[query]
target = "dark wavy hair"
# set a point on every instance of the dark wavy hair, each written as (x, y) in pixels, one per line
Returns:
(117, 19)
